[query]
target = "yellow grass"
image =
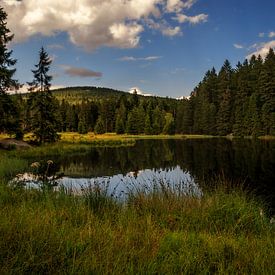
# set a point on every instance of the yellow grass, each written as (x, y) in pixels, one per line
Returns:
(75, 137)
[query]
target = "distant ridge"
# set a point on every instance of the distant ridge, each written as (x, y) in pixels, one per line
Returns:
(74, 95)
(90, 93)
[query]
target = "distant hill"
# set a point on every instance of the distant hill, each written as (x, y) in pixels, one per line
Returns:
(86, 93)
(74, 95)
(79, 94)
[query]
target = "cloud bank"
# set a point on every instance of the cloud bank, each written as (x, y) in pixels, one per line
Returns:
(95, 23)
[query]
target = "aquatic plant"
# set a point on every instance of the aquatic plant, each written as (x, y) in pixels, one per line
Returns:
(42, 175)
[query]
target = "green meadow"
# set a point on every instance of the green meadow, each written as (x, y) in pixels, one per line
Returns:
(226, 231)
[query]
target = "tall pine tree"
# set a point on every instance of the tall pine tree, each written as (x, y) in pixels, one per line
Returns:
(42, 104)
(9, 113)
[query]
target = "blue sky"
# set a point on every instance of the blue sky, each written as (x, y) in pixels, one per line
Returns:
(161, 47)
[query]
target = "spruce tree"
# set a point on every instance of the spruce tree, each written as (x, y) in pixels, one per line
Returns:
(157, 121)
(225, 90)
(147, 125)
(131, 125)
(9, 113)
(99, 126)
(42, 104)
(119, 127)
(267, 93)
(83, 124)
(187, 119)
(169, 126)
(121, 114)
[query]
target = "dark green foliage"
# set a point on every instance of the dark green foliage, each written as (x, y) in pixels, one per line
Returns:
(83, 123)
(136, 121)
(9, 113)
(157, 121)
(99, 127)
(184, 117)
(120, 125)
(148, 127)
(42, 105)
(239, 101)
(169, 126)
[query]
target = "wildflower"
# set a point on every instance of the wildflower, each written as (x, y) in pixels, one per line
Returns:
(272, 220)
(50, 162)
(35, 164)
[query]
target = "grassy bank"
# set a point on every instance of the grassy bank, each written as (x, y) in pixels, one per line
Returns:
(158, 233)
(11, 165)
(76, 137)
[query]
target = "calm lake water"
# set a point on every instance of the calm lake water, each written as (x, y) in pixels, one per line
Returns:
(185, 164)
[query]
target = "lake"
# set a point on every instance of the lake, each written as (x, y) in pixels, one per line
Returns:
(186, 163)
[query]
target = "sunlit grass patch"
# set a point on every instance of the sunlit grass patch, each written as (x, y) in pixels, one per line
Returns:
(4, 135)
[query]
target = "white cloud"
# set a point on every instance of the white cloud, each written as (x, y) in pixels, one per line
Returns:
(139, 91)
(271, 34)
(170, 31)
(95, 23)
(178, 5)
(164, 27)
(183, 97)
(261, 34)
(189, 3)
(24, 89)
(200, 18)
(132, 58)
(238, 46)
(262, 49)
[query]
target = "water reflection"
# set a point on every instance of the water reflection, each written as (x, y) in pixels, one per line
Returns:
(248, 161)
(120, 186)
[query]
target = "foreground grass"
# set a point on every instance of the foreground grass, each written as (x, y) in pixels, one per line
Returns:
(158, 233)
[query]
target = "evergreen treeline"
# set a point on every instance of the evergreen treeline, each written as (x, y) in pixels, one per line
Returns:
(123, 113)
(238, 101)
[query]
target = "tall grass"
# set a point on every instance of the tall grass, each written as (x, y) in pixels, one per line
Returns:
(10, 166)
(158, 232)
